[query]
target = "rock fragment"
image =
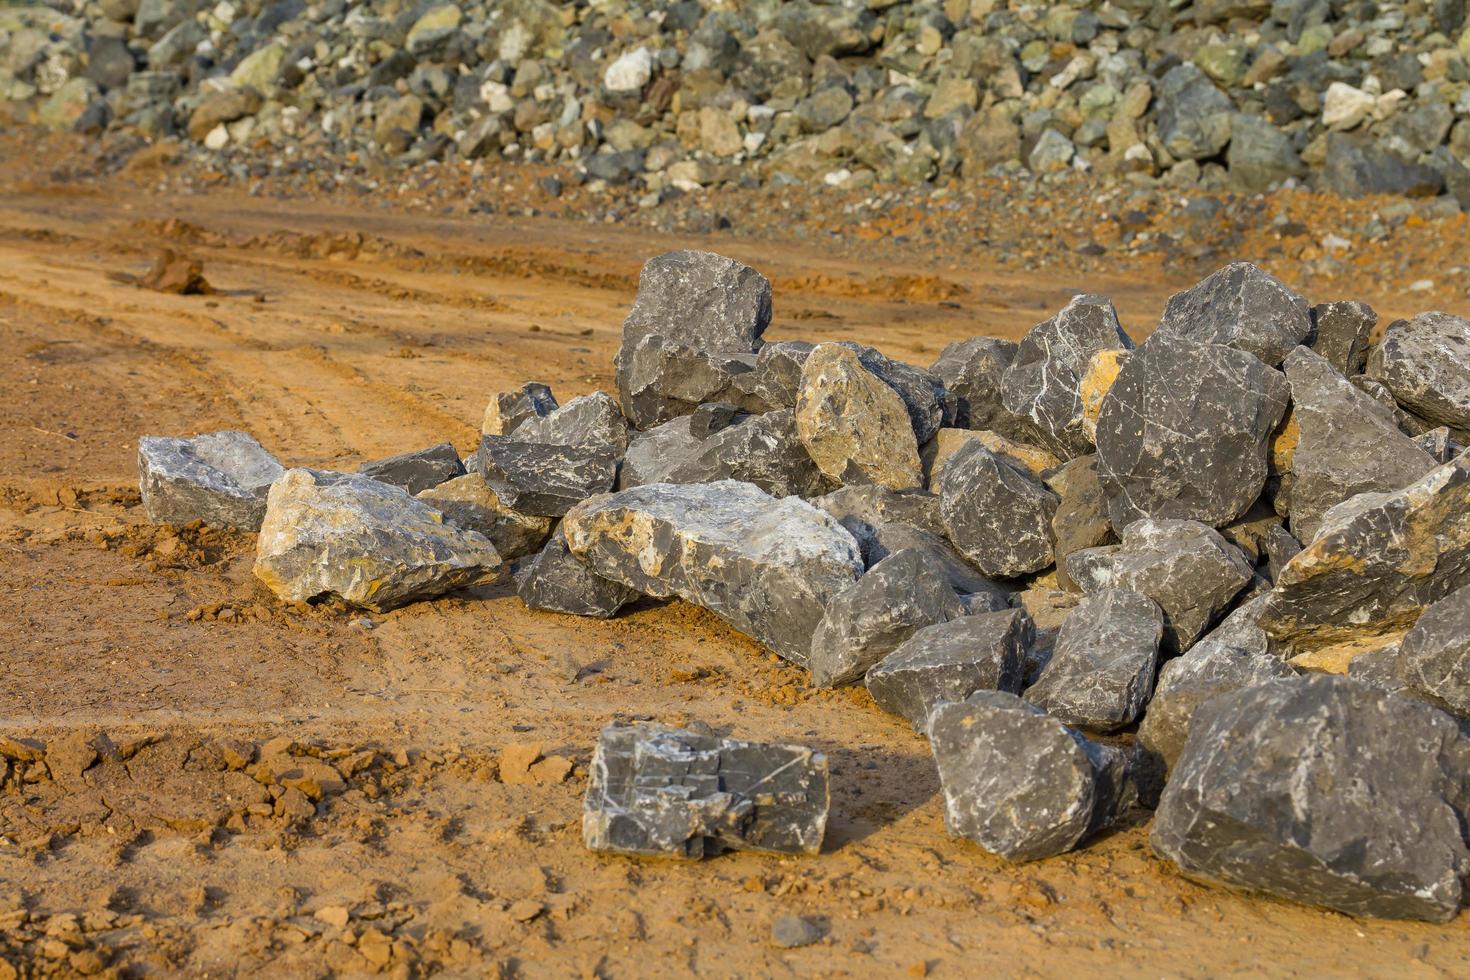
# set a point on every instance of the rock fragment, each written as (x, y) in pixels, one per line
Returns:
(1340, 333)
(950, 661)
(591, 420)
(1275, 791)
(554, 581)
(655, 451)
(664, 791)
(1241, 307)
(538, 479)
(1081, 518)
(1433, 660)
(1346, 443)
(367, 542)
(468, 503)
(1184, 430)
(761, 449)
(661, 379)
(998, 517)
(767, 566)
(1043, 382)
(418, 470)
(509, 409)
(904, 592)
(1020, 784)
(1425, 362)
(972, 371)
(1184, 566)
(220, 478)
(1101, 673)
(854, 426)
(776, 379)
(1376, 562)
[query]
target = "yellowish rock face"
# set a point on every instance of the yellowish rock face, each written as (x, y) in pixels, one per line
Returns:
(854, 427)
(947, 442)
(1284, 443)
(1097, 381)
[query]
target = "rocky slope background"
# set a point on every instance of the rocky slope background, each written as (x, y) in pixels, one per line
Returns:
(668, 97)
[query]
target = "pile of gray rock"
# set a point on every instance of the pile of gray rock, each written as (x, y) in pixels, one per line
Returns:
(1224, 572)
(674, 95)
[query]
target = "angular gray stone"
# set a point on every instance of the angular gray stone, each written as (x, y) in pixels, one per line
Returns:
(865, 622)
(1356, 167)
(713, 417)
(1081, 518)
(766, 566)
(854, 426)
(1184, 566)
(950, 661)
(653, 452)
(1260, 156)
(759, 449)
(591, 420)
(1340, 333)
(1242, 307)
(1425, 362)
(1439, 444)
(1019, 783)
(922, 391)
(469, 504)
(1101, 672)
(554, 581)
(1433, 660)
(1325, 791)
(661, 379)
(220, 478)
(1347, 443)
(509, 409)
(1194, 117)
(972, 371)
(796, 931)
(697, 301)
(776, 379)
(998, 517)
(1184, 431)
(418, 470)
(1043, 383)
(543, 480)
(367, 542)
(1212, 667)
(1377, 561)
(665, 791)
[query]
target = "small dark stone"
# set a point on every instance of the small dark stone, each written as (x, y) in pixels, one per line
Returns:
(972, 371)
(509, 409)
(795, 931)
(1340, 333)
(998, 517)
(554, 581)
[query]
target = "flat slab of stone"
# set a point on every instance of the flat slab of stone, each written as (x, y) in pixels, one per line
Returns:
(950, 661)
(996, 515)
(1243, 307)
(664, 791)
(220, 478)
(1425, 362)
(1184, 430)
(367, 542)
(1043, 382)
(1325, 791)
(1377, 562)
(1101, 673)
(418, 470)
(768, 566)
(468, 503)
(544, 480)
(854, 426)
(1017, 782)
(902, 593)
(554, 581)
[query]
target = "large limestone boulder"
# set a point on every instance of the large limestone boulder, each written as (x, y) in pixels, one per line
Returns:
(998, 517)
(1243, 307)
(854, 426)
(220, 478)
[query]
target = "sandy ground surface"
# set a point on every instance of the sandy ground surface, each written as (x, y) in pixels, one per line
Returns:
(170, 728)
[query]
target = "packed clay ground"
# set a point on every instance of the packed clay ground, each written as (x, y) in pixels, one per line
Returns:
(201, 781)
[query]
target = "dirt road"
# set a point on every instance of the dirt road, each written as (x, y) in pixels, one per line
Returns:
(190, 722)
